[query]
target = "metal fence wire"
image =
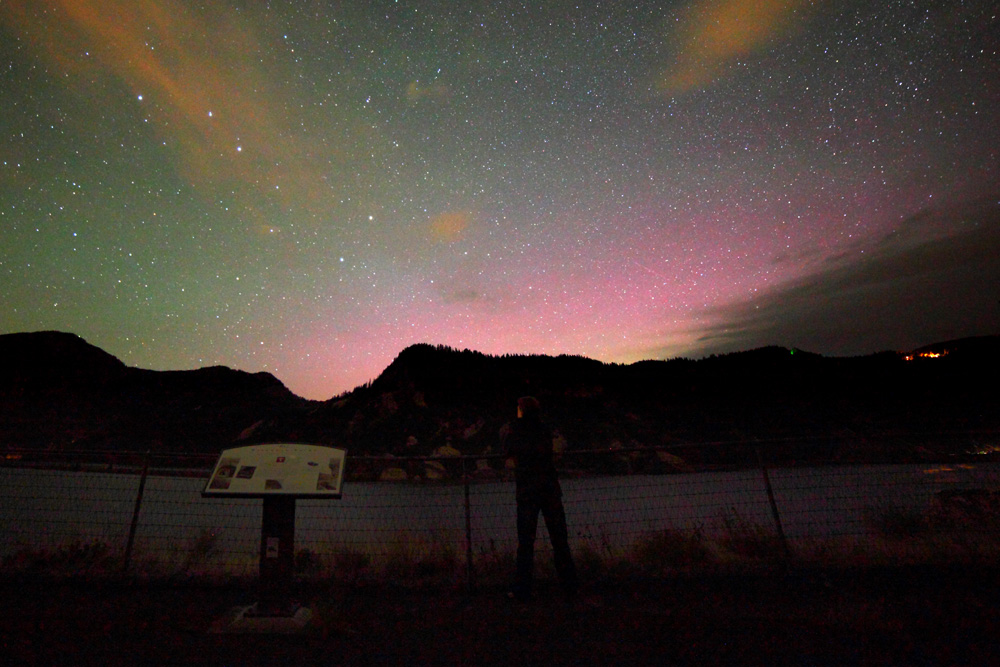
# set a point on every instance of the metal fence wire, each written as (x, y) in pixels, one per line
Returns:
(79, 514)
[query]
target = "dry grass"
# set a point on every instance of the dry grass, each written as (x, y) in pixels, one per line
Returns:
(960, 528)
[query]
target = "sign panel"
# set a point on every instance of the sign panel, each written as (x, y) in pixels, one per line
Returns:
(301, 471)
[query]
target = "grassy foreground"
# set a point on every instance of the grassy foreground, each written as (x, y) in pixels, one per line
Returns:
(923, 615)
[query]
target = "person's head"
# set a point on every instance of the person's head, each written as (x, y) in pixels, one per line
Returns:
(527, 406)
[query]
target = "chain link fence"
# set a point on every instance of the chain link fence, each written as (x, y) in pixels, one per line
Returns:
(452, 518)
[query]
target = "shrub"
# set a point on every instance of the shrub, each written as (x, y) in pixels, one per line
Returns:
(419, 561)
(665, 550)
(74, 558)
(200, 550)
(351, 566)
(748, 540)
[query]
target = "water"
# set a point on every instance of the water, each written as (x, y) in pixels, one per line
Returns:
(41, 510)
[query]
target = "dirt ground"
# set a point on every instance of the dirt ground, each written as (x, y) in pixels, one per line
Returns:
(887, 616)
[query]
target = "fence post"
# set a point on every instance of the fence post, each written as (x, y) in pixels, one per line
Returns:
(470, 581)
(774, 504)
(135, 514)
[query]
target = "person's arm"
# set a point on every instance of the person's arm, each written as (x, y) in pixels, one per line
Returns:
(508, 445)
(558, 445)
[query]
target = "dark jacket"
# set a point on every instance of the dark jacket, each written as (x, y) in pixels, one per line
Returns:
(529, 443)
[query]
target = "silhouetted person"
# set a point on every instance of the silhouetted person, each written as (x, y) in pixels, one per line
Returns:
(529, 443)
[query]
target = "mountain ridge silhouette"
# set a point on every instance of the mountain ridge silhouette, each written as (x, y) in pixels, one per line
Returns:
(60, 392)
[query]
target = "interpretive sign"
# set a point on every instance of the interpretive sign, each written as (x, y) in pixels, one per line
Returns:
(256, 471)
(280, 474)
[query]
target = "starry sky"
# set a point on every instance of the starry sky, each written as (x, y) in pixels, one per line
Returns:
(306, 188)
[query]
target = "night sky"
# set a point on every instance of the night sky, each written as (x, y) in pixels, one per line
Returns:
(307, 189)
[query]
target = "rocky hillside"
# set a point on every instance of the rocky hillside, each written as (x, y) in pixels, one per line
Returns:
(434, 397)
(57, 391)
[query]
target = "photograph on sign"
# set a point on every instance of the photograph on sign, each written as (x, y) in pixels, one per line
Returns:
(330, 481)
(224, 473)
(274, 469)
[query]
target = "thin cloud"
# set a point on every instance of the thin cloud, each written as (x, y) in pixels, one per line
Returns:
(714, 33)
(450, 226)
(907, 292)
(198, 77)
(461, 296)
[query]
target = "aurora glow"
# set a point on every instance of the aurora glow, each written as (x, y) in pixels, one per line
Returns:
(308, 188)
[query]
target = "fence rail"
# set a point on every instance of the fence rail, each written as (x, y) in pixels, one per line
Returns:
(653, 511)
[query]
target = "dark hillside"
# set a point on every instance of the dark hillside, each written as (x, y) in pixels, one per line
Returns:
(59, 391)
(431, 397)
(46, 360)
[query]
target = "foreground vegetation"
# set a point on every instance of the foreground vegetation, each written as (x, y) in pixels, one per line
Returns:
(963, 528)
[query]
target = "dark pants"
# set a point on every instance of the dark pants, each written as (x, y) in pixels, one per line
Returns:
(551, 507)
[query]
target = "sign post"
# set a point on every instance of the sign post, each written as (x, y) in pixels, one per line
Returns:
(277, 556)
(279, 474)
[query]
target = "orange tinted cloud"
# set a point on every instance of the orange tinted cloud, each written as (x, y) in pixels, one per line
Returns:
(203, 88)
(716, 32)
(448, 227)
